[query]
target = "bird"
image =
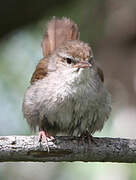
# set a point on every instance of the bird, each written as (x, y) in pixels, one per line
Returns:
(66, 92)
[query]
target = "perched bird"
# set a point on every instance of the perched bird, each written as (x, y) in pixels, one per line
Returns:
(66, 93)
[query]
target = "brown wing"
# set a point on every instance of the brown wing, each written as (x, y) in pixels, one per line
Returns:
(100, 73)
(40, 71)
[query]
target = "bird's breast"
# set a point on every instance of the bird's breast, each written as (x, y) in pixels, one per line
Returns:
(68, 99)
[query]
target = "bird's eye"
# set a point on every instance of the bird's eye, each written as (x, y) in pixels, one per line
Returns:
(69, 61)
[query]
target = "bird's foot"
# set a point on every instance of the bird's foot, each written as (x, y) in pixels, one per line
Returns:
(88, 137)
(43, 135)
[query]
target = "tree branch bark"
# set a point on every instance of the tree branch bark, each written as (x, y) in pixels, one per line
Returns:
(65, 148)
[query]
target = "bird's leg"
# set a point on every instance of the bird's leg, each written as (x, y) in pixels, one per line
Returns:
(88, 137)
(46, 137)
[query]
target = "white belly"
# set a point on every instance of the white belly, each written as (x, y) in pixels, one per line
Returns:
(74, 103)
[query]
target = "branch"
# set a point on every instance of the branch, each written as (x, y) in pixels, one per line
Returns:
(65, 148)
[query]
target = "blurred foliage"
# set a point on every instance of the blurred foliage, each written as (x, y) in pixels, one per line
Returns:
(110, 28)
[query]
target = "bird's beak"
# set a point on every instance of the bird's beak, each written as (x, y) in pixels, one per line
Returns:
(83, 64)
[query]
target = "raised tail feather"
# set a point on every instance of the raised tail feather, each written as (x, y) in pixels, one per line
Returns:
(57, 32)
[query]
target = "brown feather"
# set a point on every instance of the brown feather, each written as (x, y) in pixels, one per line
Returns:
(57, 32)
(100, 73)
(40, 71)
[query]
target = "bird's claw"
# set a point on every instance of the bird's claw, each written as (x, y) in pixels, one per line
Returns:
(88, 137)
(43, 135)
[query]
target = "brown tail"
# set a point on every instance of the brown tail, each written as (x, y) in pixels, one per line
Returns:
(57, 32)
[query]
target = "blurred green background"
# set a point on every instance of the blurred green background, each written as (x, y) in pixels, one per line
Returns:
(110, 28)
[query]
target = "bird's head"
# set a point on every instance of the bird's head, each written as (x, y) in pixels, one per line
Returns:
(74, 55)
